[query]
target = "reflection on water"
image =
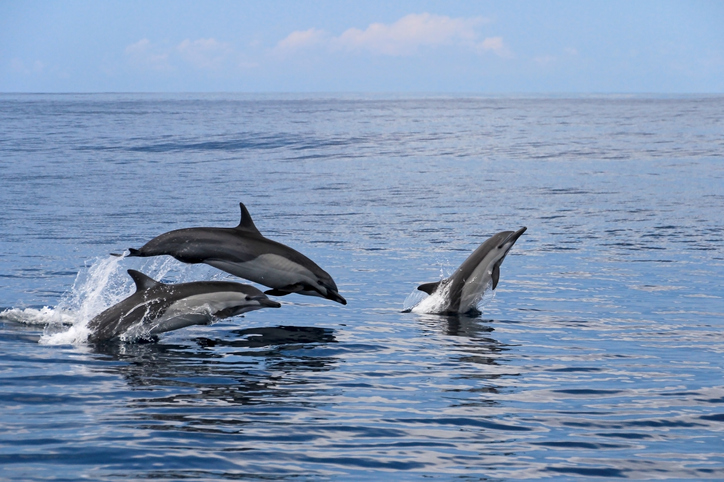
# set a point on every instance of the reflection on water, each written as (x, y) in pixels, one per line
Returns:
(475, 346)
(278, 335)
(219, 371)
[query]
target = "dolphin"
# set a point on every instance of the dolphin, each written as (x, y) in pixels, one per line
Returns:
(244, 252)
(463, 290)
(157, 307)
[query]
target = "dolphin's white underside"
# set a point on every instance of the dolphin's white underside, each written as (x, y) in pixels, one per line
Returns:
(269, 270)
(476, 284)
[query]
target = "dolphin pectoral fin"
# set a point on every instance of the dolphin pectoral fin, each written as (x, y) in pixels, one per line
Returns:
(285, 290)
(277, 292)
(225, 313)
(246, 223)
(496, 275)
(429, 288)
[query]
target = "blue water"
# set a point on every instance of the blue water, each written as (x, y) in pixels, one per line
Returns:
(600, 355)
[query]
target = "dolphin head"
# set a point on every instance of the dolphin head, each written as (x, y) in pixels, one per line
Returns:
(335, 296)
(251, 299)
(509, 239)
(504, 242)
(326, 288)
(263, 302)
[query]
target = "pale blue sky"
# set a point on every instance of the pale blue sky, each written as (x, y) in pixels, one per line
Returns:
(374, 46)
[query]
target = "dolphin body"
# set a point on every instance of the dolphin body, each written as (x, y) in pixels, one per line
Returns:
(157, 307)
(244, 252)
(464, 289)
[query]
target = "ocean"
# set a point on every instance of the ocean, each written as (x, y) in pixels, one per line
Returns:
(598, 356)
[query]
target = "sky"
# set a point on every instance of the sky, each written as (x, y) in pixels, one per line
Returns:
(631, 46)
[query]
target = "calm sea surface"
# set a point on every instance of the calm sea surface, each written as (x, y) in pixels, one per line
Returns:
(600, 356)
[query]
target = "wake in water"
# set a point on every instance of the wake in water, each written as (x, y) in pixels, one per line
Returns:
(103, 283)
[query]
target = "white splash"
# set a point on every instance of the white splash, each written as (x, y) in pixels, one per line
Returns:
(96, 288)
(33, 316)
(436, 303)
(100, 285)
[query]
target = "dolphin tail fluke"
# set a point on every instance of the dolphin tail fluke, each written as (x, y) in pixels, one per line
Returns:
(429, 288)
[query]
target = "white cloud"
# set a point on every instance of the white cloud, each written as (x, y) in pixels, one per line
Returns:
(201, 54)
(204, 53)
(145, 55)
(495, 45)
(301, 39)
(406, 36)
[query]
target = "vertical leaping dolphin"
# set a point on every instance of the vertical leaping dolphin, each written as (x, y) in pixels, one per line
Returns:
(462, 291)
(157, 307)
(244, 252)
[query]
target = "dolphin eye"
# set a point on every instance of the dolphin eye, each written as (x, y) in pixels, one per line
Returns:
(319, 283)
(247, 298)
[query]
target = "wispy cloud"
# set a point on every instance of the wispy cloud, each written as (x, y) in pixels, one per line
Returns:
(300, 39)
(495, 45)
(144, 55)
(199, 54)
(204, 53)
(20, 67)
(545, 59)
(407, 36)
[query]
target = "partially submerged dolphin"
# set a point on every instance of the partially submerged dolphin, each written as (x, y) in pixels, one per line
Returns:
(157, 307)
(244, 252)
(463, 290)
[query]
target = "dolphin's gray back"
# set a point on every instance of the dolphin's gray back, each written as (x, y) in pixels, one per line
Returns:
(117, 319)
(200, 245)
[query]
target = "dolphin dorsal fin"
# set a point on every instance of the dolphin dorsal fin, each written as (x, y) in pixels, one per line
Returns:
(142, 281)
(429, 288)
(246, 223)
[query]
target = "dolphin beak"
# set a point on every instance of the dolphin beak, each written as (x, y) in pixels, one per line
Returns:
(512, 237)
(334, 296)
(517, 234)
(271, 304)
(267, 303)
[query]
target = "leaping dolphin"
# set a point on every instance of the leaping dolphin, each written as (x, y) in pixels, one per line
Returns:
(244, 252)
(157, 307)
(463, 290)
